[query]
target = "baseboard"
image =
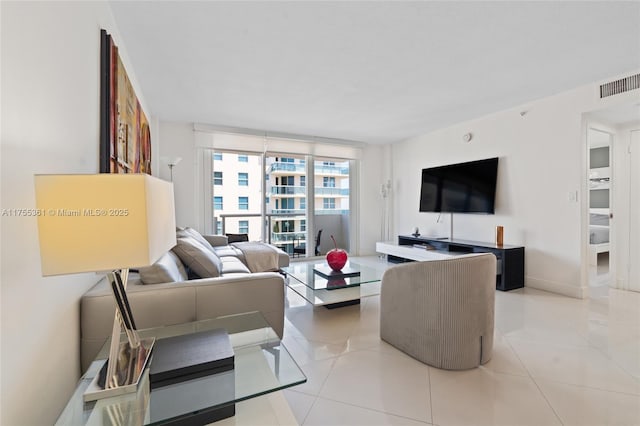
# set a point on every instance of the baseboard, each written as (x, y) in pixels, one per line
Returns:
(621, 284)
(577, 292)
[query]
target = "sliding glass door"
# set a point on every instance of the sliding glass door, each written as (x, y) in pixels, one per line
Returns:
(285, 203)
(331, 200)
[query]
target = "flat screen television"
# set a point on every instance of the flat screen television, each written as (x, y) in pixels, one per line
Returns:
(460, 188)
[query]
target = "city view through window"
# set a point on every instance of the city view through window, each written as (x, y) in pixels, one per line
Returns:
(238, 199)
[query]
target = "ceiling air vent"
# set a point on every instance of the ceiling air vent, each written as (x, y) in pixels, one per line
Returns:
(620, 86)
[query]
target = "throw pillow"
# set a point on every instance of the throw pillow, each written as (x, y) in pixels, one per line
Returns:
(197, 257)
(237, 238)
(166, 270)
(190, 232)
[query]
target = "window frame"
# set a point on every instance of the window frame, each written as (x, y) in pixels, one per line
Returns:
(243, 178)
(328, 182)
(328, 201)
(241, 204)
(352, 158)
(215, 203)
(215, 178)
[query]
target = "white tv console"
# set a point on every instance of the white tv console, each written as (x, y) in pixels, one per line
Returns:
(510, 258)
(411, 252)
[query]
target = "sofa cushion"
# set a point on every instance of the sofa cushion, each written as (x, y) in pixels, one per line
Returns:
(224, 251)
(202, 261)
(190, 232)
(166, 270)
(232, 265)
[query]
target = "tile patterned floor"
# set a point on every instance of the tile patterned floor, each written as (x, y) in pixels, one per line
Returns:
(557, 361)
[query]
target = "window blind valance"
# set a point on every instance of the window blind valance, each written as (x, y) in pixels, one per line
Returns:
(206, 137)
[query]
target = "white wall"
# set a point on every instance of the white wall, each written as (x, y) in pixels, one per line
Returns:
(541, 166)
(177, 140)
(50, 124)
(374, 170)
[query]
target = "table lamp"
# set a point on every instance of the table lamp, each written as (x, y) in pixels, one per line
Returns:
(107, 222)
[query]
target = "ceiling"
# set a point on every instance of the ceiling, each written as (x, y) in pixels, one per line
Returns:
(375, 72)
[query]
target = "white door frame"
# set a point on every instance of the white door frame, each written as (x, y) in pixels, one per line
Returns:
(585, 258)
(633, 280)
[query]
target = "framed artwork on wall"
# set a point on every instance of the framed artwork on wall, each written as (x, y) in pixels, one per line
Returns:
(125, 137)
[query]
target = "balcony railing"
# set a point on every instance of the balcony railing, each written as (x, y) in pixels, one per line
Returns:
(288, 237)
(323, 190)
(331, 170)
(287, 190)
(331, 211)
(288, 211)
(287, 167)
(284, 240)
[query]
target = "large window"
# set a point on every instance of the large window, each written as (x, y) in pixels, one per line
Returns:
(285, 180)
(243, 203)
(287, 204)
(217, 178)
(283, 185)
(217, 203)
(289, 198)
(331, 201)
(287, 226)
(245, 213)
(243, 179)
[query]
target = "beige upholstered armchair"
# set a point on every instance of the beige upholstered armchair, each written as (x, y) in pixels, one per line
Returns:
(441, 312)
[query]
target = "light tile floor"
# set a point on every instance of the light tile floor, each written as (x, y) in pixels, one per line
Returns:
(557, 361)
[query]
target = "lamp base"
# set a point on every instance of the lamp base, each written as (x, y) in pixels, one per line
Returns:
(131, 363)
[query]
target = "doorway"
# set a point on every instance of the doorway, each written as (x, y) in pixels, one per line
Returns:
(600, 185)
(612, 174)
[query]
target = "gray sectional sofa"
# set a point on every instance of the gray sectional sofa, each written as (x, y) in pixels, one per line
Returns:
(201, 277)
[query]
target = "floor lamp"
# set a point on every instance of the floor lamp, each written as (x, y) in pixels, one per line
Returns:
(385, 193)
(107, 222)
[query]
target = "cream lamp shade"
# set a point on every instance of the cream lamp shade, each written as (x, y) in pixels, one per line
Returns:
(107, 222)
(90, 223)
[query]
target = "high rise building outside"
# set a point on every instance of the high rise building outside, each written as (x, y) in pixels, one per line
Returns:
(237, 196)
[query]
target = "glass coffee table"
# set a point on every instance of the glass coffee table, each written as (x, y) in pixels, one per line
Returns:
(310, 280)
(262, 365)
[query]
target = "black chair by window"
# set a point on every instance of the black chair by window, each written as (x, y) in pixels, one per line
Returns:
(301, 249)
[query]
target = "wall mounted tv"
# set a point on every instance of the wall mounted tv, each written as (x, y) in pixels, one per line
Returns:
(460, 188)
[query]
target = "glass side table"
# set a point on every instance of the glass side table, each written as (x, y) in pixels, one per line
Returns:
(262, 365)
